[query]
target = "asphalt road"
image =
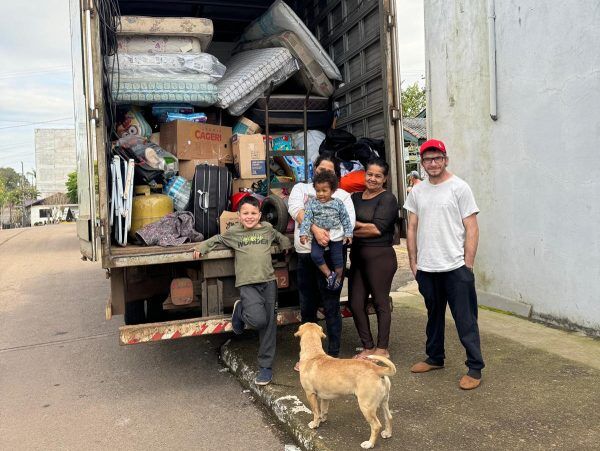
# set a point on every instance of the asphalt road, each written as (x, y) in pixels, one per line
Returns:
(65, 383)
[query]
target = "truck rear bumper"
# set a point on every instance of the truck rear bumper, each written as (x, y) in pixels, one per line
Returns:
(171, 330)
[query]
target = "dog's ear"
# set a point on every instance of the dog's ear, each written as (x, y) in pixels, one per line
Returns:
(299, 331)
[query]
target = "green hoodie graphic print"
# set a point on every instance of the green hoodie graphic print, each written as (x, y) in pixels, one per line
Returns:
(252, 249)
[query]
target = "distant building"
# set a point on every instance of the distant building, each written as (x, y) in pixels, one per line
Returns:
(55, 158)
(51, 210)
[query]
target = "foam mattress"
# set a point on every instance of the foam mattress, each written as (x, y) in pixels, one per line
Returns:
(311, 73)
(168, 26)
(279, 18)
(249, 74)
(141, 91)
(161, 64)
(158, 44)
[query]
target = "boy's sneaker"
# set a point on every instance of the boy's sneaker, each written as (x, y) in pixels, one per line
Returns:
(265, 376)
(237, 323)
(331, 280)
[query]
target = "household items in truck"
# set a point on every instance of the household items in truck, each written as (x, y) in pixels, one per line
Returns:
(293, 167)
(150, 154)
(143, 91)
(147, 207)
(337, 140)
(286, 111)
(314, 139)
(178, 189)
(158, 44)
(353, 182)
(132, 122)
(280, 143)
(199, 28)
(249, 156)
(196, 141)
(173, 229)
(192, 117)
(211, 191)
(121, 194)
(205, 67)
(279, 18)
(363, 150)
(250, 74)
(160, 110)
(310, 75)
(245, 126)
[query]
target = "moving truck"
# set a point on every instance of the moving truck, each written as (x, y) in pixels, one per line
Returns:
(361, 37)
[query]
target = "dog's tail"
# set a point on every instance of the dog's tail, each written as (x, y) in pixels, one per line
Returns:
(388, 370)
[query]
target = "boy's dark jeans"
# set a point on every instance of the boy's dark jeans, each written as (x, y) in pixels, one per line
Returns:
(336, 254)
(259, 313)
(312, 290)
(457, 289)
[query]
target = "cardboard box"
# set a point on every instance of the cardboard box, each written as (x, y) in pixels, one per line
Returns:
(242, 183)
(226, 220)
(249, 155)
(187, 168)
(195, 141)
(246, 127)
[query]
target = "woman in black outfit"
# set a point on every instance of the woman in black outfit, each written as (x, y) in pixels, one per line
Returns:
(373, 258)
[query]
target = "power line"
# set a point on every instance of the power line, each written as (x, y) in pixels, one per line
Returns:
(36, 123)
(27, 73)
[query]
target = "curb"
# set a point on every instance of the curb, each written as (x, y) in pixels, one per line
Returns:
(285, 407)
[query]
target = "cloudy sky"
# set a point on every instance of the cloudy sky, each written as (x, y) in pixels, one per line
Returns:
(35, 77)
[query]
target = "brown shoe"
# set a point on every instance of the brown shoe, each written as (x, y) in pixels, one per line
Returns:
(423, 367)
(468, 382)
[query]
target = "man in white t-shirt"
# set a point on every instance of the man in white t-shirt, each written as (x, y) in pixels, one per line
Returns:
(442, 240)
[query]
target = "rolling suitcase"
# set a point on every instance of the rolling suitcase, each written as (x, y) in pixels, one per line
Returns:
(211, 188)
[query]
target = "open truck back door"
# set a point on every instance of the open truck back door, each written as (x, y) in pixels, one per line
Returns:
(85, 125)
(361, 37)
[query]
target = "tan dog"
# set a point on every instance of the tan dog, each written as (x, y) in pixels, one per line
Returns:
(324, 378)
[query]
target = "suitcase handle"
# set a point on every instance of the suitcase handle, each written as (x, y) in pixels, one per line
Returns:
(203, 200)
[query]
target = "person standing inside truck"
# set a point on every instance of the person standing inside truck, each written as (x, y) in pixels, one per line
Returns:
(312, 286)
(251, 241)
(442, 240)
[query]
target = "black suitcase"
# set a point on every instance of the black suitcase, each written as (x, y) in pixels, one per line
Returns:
(211, 190)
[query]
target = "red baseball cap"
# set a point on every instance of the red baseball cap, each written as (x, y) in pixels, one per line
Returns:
(432, 144)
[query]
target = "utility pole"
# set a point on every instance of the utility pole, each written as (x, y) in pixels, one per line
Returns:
(22, 195)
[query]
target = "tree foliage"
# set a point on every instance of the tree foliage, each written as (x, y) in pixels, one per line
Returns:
(14, 190)
(413, 100)
(71, 185)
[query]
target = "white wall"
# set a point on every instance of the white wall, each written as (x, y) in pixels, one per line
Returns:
(536, 171)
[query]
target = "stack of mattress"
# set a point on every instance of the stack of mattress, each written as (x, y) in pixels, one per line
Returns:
(249, 74)
(162, 60)
(280, 18)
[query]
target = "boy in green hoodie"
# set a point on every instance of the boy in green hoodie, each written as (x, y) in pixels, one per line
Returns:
(251, 241)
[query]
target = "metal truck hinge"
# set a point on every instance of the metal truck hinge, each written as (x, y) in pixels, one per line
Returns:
(87, 5)
(95, 116)
(101, 229)
(390, 21)
(395, 114)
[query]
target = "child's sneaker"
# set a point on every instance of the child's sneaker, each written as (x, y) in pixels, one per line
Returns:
(264, 377)
(237, 323)
(331, 280)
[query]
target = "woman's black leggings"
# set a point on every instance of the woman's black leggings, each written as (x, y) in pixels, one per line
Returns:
(371, 273)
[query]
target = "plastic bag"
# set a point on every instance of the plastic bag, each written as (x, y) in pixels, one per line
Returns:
(150, 154)
(133, 123)
(179, 189)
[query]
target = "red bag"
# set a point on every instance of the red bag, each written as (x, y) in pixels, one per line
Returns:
(353, 182)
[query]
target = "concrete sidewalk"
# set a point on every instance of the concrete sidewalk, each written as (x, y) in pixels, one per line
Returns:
(540, 388)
